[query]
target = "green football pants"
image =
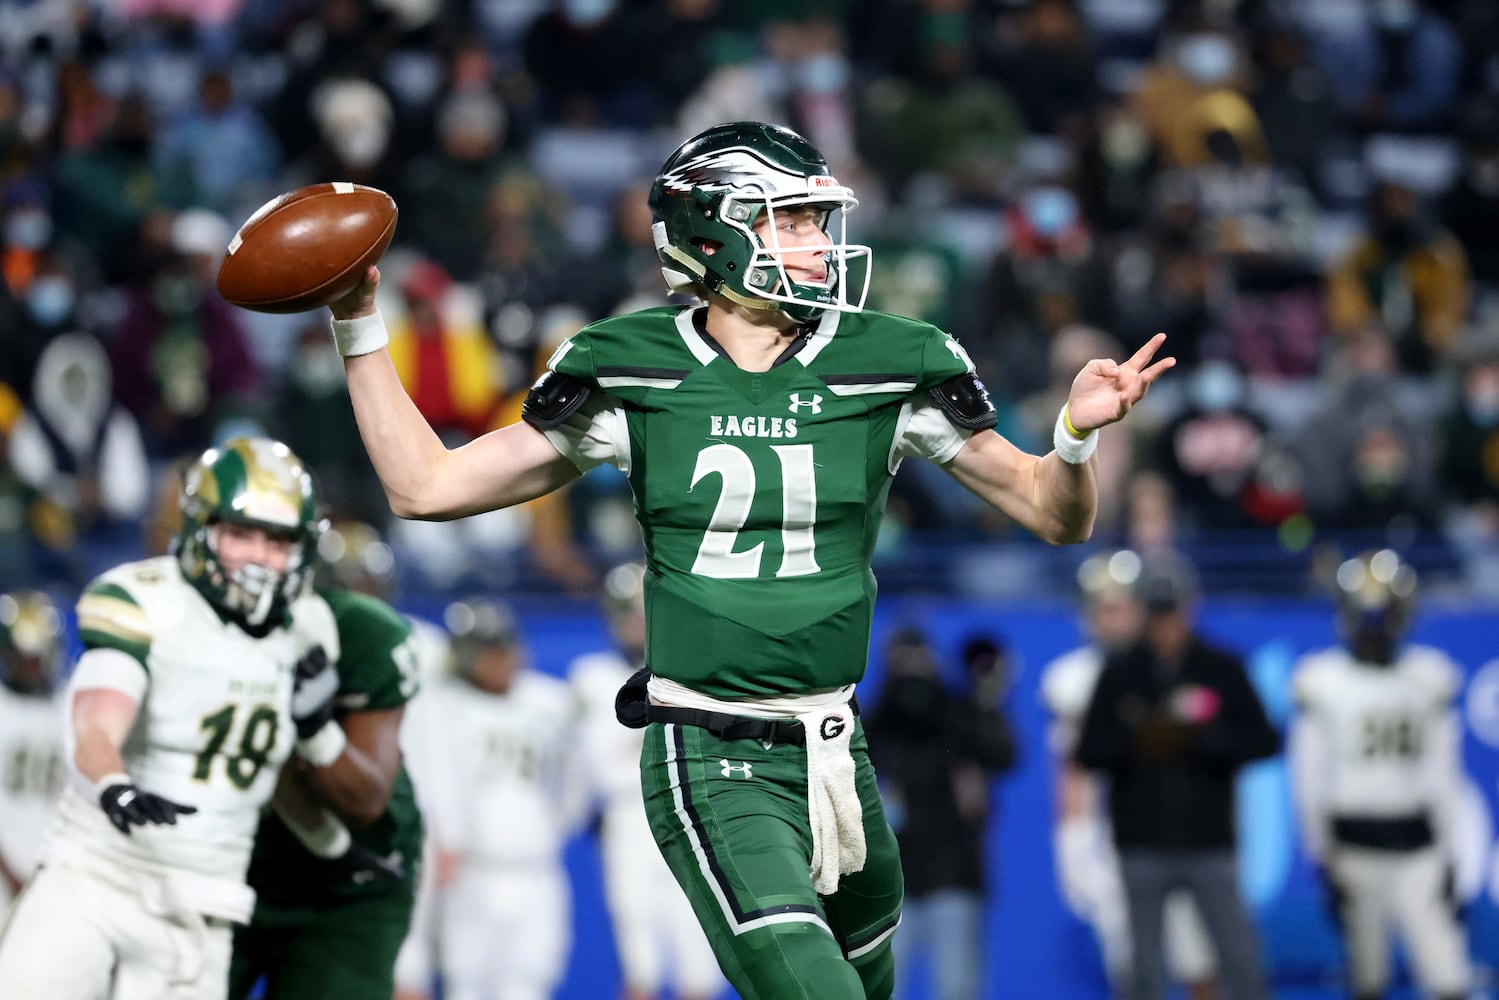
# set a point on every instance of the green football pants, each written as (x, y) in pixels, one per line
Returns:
(731, 820)
(344, 951)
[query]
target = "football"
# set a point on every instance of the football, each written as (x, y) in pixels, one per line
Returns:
(306, 248)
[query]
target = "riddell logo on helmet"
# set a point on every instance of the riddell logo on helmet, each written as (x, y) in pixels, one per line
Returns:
(821, 181)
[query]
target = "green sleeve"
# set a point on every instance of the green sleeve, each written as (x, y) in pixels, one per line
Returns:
(377, 665)
(110, 618)
(575, 359)
(942, 358)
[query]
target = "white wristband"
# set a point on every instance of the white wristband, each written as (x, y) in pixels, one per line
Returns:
(109, 780)
(1074, 451)
(324, 746)
(362, 335)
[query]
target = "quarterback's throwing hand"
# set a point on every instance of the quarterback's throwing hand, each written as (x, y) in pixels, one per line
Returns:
(1104, 392)
(127, 806)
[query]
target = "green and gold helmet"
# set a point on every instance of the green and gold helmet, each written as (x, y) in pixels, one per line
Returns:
(707, 198)
(261, 483)
(31, 637)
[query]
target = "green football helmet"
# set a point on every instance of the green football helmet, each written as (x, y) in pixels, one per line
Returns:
(31, 639)
(261, 483)
(707, 198)
(1375, 592)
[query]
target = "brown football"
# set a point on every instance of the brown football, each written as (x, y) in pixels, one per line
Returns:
(306, 248)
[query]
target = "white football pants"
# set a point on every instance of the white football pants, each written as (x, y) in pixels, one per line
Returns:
(504, 932)
(76, 936)
(1399, 891)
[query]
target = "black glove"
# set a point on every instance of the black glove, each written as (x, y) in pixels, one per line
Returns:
(127, 806)
(362, 866)
(313, 692)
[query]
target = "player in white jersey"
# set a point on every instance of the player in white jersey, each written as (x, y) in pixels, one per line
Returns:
(1087, 863)
(192, 690)
(656, 934)
(1377, 770)
(31, 733)
(488, 749)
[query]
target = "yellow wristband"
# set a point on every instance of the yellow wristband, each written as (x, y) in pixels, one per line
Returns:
(1067, 422)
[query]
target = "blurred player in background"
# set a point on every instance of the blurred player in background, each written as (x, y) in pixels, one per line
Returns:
(656, 935)
(31, 733)
(336, 865)
(1377, 768)
(201, 674)
(1087, 864)
(489, 750)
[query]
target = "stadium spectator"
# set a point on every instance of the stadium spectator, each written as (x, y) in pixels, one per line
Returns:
(182, 363)
(1406, 272)
(75, 446)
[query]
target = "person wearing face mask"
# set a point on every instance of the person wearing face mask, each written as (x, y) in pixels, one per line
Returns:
(1405, 272)
(1471, 208)
(1394, 66)
(202, 673)
(1469, 434)
(181, 357)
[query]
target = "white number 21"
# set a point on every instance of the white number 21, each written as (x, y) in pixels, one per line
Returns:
(716, 556)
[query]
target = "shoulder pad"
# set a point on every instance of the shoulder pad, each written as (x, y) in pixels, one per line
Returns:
(966, 402)
(552, 400)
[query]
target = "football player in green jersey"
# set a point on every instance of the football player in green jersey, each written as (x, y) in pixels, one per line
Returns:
(331, 929)
(760, 429)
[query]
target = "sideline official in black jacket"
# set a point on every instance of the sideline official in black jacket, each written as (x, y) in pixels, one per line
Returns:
(1172, 720)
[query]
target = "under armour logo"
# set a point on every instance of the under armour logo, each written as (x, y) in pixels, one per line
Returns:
(797, 402)
(729, 769)
(832, 727)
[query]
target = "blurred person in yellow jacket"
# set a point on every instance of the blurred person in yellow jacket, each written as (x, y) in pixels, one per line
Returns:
(443, 354)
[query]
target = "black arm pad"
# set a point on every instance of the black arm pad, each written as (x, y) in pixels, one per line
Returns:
(552, 400)
(966, 402)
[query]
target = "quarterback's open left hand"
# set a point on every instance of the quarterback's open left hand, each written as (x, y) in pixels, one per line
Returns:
(127, 805)
(1104, 392)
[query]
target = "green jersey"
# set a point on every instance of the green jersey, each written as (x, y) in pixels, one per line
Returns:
(377, 670)
(759, 493)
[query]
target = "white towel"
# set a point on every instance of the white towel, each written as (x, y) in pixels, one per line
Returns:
(833, 808)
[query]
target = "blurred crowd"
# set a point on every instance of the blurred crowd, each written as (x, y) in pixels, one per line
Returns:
(1300, 193)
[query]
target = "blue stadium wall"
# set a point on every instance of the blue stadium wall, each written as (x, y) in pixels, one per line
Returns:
(1037, 949)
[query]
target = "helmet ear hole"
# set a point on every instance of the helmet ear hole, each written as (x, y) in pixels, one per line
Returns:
(708, 246)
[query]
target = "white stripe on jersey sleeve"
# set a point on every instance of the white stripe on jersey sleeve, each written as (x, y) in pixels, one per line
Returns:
(113, 669)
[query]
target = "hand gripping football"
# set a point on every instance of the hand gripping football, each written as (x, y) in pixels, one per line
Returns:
(306, 248)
